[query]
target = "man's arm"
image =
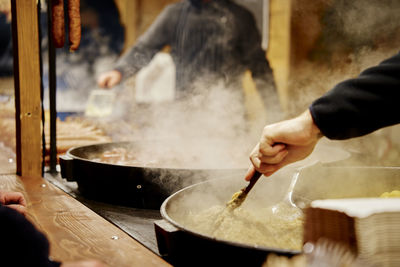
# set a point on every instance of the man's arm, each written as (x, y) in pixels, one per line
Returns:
(361, 105)
(254, 58)
(152, 41)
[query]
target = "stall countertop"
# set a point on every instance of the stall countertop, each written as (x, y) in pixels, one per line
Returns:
(75, 232)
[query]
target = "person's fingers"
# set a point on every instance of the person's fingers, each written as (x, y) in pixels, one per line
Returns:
(261, 167)
(260, 160)
(114, 77)
(109, 79)
(112, 81)
(250, 173)
(275, 159)
(254, 157)
(267, 168)
(21, 209)
(102, 81)
(13, 198)
(107, 82)
(270, 150)
(267, 174)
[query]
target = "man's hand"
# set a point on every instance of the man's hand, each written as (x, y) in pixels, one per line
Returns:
(283, 143)
(14, 200)
(109, 79)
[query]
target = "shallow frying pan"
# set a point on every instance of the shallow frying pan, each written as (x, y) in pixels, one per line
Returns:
(140, 186)
(184, 246)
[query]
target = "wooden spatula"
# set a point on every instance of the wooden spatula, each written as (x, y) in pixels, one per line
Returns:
(240, 196)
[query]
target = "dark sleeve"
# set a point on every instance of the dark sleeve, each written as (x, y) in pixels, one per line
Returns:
(252, 55)
(361, 105)
(254, 58)
(21, 243)
(152, 41)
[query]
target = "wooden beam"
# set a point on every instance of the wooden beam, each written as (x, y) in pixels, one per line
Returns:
(279, 46)
(27, 87)
(129, 12)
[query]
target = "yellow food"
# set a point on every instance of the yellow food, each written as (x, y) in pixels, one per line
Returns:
(258, 227)
(394, 193)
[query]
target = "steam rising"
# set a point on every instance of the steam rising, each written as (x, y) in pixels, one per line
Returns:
(214, 124)
(363, 23)
(212, 128)
(208, 130)
(212, 112)
(355, 35)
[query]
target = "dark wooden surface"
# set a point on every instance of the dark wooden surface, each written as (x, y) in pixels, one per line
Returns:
(75, 232)
(138, 223)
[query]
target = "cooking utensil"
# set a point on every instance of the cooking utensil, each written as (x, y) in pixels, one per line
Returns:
(287, 208)
(240, 196)
(235, 202)
(100, 103)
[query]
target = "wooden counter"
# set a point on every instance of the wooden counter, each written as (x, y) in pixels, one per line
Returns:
(74, 231)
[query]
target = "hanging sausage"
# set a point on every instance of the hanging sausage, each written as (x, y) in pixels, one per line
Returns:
(74, 24)
(58, 25)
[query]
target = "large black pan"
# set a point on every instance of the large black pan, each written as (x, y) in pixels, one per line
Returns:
(186, 247)
(135, 186)
(183, 246)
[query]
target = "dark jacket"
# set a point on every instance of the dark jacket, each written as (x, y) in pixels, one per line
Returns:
(361, 105)
(21, 243)
(214, 39)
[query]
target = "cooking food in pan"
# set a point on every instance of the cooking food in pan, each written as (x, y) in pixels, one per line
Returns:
(394, 193)
(124, 156)
(201, 209)
(278, 226)
(173, 157)
(192, 206)
(144, 173)
(254, 227)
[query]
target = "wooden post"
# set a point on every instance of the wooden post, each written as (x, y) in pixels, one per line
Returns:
(27, 87)
(129, 11)
(280, 45)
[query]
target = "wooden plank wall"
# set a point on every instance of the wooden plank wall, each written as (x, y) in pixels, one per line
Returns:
(27, 87)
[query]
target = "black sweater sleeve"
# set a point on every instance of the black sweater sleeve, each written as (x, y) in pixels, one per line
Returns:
(21, 243)
(361, 105)
(152, 41)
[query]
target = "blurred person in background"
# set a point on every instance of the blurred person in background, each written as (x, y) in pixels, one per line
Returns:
(6, 56)
(353, 108)
(209, 40)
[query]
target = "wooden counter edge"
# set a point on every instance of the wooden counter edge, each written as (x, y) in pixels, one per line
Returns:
(74, 231)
